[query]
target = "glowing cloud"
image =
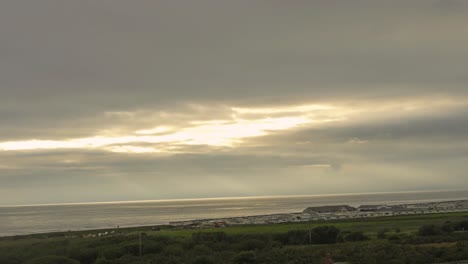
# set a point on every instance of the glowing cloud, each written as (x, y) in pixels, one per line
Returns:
(239, 125)
(226, 133)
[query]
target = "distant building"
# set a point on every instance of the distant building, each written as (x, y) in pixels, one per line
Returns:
(329, 209)
(374, 208)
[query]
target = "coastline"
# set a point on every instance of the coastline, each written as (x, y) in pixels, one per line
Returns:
(324, 213)
(387, 211)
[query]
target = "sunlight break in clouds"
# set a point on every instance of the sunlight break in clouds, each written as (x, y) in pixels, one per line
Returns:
(211, 134)
(231, 132)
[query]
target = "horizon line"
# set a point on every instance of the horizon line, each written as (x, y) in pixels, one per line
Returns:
(224, 198)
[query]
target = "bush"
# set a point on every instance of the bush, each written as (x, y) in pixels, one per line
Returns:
(84, 255)
(9, 259)
(325, 235)
(394, 238)
(462, 226)
(174, 250)
(356, 236)
(132, 249)
(251, 244)
(113, 253)
(294, 237)
(318, 235)
(102, 261)
(202, 250)
(208, 237)
(152, 247)
(245, 257)
(430, 230)
(204, 260)
(52, 260)
(382, 234)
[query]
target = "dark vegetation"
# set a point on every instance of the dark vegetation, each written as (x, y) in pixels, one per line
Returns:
(443, 239)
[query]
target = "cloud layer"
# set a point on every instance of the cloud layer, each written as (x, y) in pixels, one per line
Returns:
(117, 100)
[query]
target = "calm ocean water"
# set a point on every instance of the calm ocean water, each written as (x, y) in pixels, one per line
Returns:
(17, 220)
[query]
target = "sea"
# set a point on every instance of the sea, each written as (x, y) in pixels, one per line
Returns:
(32, 219)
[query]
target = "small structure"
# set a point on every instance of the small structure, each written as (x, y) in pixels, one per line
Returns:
(374, 208)
(330, 209)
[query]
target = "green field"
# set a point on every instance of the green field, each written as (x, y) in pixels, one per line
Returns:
(370, 226)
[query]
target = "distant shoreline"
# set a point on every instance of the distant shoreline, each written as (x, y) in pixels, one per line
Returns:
(434, 207)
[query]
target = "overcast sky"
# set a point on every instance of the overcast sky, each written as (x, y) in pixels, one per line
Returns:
(124, 100)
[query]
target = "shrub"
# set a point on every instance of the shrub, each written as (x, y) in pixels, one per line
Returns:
(113, 253)
(356, 236)
(430, 230)
(462, 225)
(318, 235)
(202, 250)
(208, 237)
(84, 255)
(245, 257)
(204, 260)
(52, 260)
(325, 234)
(251, 244)
(382, 234)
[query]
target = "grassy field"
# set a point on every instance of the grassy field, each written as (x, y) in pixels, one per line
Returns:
(370, 226)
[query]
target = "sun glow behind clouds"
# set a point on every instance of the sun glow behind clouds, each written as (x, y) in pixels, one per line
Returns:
(239, 124)
(227, 133)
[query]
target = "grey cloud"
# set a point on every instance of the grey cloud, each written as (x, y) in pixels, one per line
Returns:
(202, 162)
(420, 139)
(250, 171)
(431, 123)
(16, 127)
(65, 64)
(444, 127)
(63, 59)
